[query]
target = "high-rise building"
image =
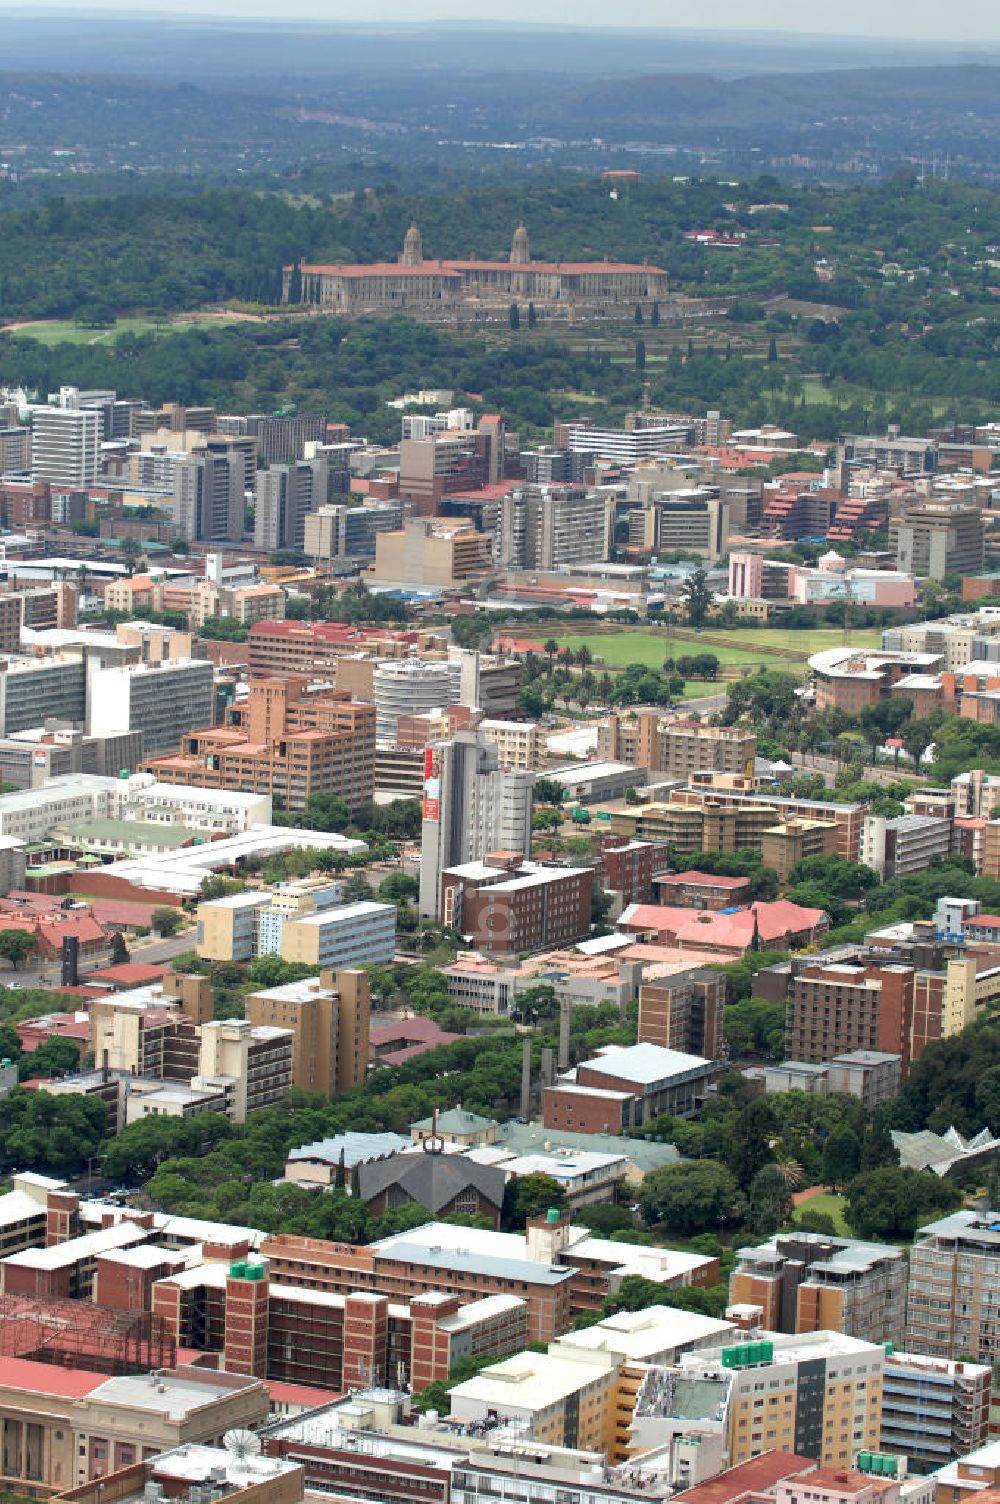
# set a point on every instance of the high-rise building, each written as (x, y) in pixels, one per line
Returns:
(65, 445)
(209, 498)
(253, 1062)
(934, 1410)
(684, 1012)
(339, 531)
(817, 1394)
(15, 450)
(162, 700)
(284, 741)
(937, 538)
(546, 527)
(330, 1019)
(410, 686)
(470, 808)
(951, 1301)
(286, 495)
(807, 1282)
(677, 748)
(280, 438)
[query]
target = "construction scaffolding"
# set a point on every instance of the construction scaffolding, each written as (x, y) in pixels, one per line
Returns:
(79, 1334)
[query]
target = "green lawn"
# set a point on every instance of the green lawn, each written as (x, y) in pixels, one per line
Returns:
(807, 640)
(67, 332)
(830, 1205)
(648, 645)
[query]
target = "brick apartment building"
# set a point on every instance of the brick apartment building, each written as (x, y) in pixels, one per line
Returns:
(807, 1282)
(393, 1272)
(629, 867)
(508, 905)
(330, 1020)
(677, 749)
(286, 742)
(684, 1012)
(702, 890)
(852, 1006)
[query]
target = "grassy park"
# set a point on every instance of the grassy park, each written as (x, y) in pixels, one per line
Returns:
(831, 1205)
(760, 646)
(69, 332)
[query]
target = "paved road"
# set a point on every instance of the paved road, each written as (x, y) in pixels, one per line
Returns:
(153, 952)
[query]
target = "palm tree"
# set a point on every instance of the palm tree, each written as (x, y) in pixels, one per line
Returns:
(792, 1173)
(585, 657)
(551, 649)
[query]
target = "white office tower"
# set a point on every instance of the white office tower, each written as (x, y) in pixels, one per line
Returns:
(410, 686)
(470, 808)
(65, 445)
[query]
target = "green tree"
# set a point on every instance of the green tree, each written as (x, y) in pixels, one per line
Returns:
(637, 317)
(514, 316)
(398, 887)
(772, 349)
(167, 921)
(654, 315)
(751, 1147)
(698, 596)
(770, 1201)
(691, 1197)
(841, 1157)
(893, 1203)
(17, 945)
(532, 316)
(531, 1196)
(54, 1057)
(640, 355)
(548, 791)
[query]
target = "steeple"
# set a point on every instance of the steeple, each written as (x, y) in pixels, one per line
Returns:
(413, 249)
(520, 251)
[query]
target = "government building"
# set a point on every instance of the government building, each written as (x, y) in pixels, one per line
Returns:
(413, 283)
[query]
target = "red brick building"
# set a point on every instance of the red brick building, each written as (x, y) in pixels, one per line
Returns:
(702, 890)
(621, 1089)
(630, 867)
(508, 906)
(684, 1012)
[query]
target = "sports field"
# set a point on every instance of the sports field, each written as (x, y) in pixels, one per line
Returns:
(757, 645)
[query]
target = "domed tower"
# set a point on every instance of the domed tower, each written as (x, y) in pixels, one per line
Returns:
(413, 248)
(520, 251)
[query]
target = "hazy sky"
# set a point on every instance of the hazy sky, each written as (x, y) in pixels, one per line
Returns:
(969, 21)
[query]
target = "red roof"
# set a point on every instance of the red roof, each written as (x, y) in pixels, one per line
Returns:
(774, 922)
(705, 879)
(122, 912)
(129, 973)
(393, 1043)
(455, 268)
(48, 1378)
(299, 1394)
(760, 1473)
(35, 1031)
(992, 921)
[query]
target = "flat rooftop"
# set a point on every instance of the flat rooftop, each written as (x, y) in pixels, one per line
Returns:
(170, 1392)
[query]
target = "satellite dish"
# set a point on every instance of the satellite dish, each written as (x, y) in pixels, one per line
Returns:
(242, 1443)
